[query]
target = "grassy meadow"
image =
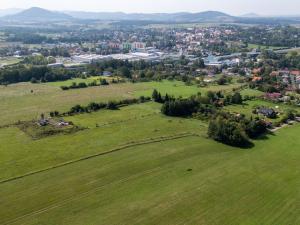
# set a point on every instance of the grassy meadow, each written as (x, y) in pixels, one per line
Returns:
(263, 47)
(26, 101)
(9, 60)
(137, 166)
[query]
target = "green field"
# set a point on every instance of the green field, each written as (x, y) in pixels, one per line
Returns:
(9, 60)
(137, 166)
(189, 179)
(263, 47)
(251, 93)
(26, 101)
(178, 88)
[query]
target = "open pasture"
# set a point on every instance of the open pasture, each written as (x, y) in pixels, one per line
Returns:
(181, 180)
(137, 166)
(26, 101)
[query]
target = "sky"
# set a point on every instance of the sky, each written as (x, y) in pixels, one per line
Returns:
(233, 7)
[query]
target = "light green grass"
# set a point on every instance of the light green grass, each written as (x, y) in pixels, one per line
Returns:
(114, 128)
(9, 60)
(151, 184)
(162, 170)
(263, 47)
(251, 93)
(177, 88)
(19, 103)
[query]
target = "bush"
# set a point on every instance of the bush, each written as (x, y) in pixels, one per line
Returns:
(180, 107)
(64, 88)
(228, 132)
(112, 105)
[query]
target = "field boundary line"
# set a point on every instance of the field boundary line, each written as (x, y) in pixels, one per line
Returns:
(120, 148)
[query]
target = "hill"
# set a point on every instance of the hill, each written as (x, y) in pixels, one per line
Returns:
(208, 16)
(38, 14)
(251, 15)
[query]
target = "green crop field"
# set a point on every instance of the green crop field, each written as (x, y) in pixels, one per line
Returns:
(137, 166)
(154, 170)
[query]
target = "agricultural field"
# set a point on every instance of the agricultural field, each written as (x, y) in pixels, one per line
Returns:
(26, 101)
(136, 166)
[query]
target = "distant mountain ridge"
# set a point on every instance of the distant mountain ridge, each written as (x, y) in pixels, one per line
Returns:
(38, 14)
(251, 15)
(212, 16)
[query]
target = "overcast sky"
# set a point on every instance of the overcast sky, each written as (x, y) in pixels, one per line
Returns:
(234, 7)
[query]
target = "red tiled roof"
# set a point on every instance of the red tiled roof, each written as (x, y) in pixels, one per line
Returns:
(295, 72)
(256, 78)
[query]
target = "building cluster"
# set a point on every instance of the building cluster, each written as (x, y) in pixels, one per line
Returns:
(290, 78)
(149, 54)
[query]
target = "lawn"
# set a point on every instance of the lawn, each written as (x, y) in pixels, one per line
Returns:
(185, 180)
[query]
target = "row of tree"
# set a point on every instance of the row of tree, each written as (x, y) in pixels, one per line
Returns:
(35, 74)
(94, 106)
(94, 83)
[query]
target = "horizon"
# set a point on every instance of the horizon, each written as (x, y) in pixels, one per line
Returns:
(232, 7)
(210, 10)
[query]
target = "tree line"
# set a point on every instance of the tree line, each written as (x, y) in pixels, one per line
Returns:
(74, 85)
(34, 74)
(94, 106)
